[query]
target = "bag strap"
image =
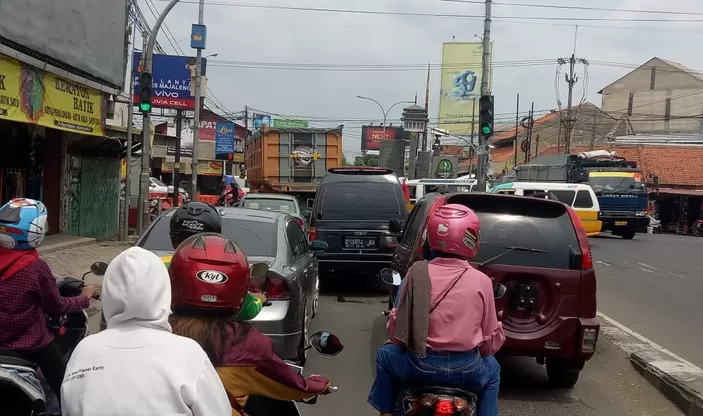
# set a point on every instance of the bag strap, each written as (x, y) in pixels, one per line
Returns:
(446, 291)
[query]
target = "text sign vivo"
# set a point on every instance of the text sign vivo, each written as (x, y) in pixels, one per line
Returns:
(171, 80)
(224, 140)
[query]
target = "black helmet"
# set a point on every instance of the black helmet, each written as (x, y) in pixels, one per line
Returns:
(193, 218)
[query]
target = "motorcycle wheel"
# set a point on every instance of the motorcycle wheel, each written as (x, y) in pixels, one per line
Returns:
(697, 231)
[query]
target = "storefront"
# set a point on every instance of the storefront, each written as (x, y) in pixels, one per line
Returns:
(54, 149)
(677, 208)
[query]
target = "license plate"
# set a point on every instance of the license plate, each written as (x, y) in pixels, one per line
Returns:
(620, 222)
(360, 242)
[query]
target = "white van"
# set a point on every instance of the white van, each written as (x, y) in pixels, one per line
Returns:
(579, 196)
(420, 187)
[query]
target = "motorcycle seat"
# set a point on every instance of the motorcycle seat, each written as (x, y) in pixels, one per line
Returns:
(13, 358)
(441, 390)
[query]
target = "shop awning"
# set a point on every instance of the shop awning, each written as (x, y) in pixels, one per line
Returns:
(675, 191)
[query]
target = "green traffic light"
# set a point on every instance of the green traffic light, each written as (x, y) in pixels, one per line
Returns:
(486, 130)
(145, 106)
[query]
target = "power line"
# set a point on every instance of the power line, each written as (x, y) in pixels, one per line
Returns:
(555, 6)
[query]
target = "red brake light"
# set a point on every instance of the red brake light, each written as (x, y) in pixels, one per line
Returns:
(300, 222)
(313, 234)
(584, 246)
(444, 408)
(275, 288)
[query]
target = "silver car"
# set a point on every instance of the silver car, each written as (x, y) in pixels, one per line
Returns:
(291, 284)
(286, 204)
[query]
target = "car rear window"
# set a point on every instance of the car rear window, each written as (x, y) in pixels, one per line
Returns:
(528, 223)
(255, 238)
(564, 196)
(270, 204)
(361, 201)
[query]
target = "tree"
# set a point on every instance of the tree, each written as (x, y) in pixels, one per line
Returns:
(345, 162)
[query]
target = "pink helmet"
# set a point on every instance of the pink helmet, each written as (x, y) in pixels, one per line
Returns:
(454, 229)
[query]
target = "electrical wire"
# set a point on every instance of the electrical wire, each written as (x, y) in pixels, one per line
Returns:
(556, 6)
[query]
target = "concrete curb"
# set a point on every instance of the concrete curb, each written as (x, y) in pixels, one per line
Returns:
(679, 380)
(65, 245)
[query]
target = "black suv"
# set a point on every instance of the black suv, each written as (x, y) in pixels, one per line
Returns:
(352, 212)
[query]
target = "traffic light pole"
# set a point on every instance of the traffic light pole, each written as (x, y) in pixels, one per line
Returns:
(143, 208)
(196, 116)
(482, 158)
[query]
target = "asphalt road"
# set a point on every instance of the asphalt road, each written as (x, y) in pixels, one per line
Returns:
(608, 386)
(654, 285)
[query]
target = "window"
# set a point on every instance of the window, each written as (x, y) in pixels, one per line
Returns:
(413, 224)
(354, 201)
(157, 182)
(630, 101)
(296, 239)
(255, 238)
(583, 200)
(667, 110)
(564, 196)
(270, 204)
(506, 192)
(653, 78)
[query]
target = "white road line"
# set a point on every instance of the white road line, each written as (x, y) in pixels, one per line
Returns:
(660, 270)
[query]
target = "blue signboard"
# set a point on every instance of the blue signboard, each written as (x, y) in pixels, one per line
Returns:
(224, 140)
(171, 80)
(261, 120)
(198, 36)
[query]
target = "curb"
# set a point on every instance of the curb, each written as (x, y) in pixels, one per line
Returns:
(65, 245)
(679, 380)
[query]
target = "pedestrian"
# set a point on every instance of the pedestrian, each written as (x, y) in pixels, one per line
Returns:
(137, 366)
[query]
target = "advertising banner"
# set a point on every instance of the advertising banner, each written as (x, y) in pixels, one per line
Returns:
(460, 85)
(444, 167)
(206, 167)
(29, 95)
(261, 120)
(371, 136)
(224, 141)
(284, 123)
(170, 80)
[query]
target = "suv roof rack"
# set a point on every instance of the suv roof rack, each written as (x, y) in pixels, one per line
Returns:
(360, 170)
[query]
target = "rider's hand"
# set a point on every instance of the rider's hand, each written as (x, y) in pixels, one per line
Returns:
(88, 291)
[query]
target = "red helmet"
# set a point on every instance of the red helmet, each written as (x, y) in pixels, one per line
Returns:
(454, 229)
(209, 272)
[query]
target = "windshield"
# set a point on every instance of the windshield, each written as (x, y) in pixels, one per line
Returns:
(270, 204)
(602, 184)
(350, 201)
(157, 182)
(255, 238)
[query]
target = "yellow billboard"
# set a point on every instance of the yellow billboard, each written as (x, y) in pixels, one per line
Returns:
(460, 85)
(29, 95)
(205, 167)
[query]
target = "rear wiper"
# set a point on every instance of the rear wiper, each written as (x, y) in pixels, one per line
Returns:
(510, 249)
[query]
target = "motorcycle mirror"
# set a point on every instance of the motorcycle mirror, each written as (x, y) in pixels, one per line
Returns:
(500, 291)
(258, 270)
(98, 268)
(326, 343)
(391, 277)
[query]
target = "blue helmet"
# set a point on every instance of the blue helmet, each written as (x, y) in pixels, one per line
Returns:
(22, 224)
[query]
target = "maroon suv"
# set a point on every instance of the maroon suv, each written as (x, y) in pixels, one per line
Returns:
(539, 250)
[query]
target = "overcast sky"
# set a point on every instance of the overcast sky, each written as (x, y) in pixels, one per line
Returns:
(336, 45)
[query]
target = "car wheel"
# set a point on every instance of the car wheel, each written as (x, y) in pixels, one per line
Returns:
(560, 376)
(628, 234)
(304, 338)
(316, 297)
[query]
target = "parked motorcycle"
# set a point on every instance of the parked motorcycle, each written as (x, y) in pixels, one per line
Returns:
(434, 400)
(324, 343)
(18, 376)
(697, 228)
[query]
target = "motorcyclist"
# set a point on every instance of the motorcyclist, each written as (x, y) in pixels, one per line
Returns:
(199, 217)
(443, 329)
(28, 290)
(209, 279)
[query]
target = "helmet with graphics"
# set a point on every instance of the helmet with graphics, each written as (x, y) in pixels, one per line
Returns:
(454, 229)
(22, 224)
(193, 218)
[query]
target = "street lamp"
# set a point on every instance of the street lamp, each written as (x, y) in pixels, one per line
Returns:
(385, 112)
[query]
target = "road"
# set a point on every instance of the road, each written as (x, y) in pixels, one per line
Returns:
(654, 285)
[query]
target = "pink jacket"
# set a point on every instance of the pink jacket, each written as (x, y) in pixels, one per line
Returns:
(466, 317)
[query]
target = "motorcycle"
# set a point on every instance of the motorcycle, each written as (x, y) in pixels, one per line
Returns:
(434, 400)
(228, 198)
(324, 343)
(697, 228)
(18, 376)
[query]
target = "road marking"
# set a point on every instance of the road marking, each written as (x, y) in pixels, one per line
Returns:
(604, 263)
(660, 270)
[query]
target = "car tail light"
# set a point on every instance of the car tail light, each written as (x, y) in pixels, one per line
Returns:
(276, 288)
(584, 246)
(313, 233)
(588, 340)
(300, 222)
(444, 407)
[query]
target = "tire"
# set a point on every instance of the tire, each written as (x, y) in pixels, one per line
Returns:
(697, 231)
(627, 234)
(560, 376)
(305, 334)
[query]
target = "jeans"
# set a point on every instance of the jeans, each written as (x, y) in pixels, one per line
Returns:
(396, 367)
(51, 364)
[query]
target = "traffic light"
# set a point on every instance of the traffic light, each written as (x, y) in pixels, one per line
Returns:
(145, 92)
(485, 115)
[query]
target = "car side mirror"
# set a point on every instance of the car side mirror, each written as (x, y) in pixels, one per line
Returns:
(395, 226)
(326, 343)
(310, 202)
(318, 246)
(258, 270)
(98, 268)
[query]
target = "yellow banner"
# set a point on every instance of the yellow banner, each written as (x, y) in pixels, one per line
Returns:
(460, 86)
(206, 168)
(29, 95)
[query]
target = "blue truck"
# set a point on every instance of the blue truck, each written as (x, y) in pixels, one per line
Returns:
(618, 184)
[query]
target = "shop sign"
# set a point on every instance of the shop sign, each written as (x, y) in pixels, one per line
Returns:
(445, 169)
(29, 95)
(205, 168)
(285, 123)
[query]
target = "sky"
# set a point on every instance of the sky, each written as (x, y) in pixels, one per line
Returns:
(313, 64)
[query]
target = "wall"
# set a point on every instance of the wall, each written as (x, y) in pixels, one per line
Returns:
(93, 196)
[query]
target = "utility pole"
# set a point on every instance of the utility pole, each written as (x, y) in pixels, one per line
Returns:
(482, 159)
(196, 117)
(177, 160)
(571, 80)
(517, 117)
(473, 132)
(128, 157)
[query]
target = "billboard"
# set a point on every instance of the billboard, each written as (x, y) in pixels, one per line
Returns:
(371, 136)
(224, 140)
(171, 80)
(460, 85)
(261, 120)
(88, 35)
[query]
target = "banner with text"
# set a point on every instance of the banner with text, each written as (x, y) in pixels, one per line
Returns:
(29, 95)
(371, 136)
(460, 85)
(170, 80)
(206, 168)
(224, 141)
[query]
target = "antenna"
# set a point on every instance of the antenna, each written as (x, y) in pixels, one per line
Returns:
(576, 33)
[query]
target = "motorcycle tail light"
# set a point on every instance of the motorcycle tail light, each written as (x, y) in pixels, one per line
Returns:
(444, 407)
(460, 404)
(276, 288)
